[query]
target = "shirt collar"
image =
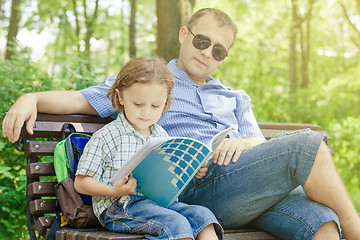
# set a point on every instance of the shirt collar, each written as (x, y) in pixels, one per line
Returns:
(127, 128)
(181, 75)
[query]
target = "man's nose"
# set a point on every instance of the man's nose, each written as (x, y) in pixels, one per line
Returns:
(207, 52)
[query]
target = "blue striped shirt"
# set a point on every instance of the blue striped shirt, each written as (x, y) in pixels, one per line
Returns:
(197, 112)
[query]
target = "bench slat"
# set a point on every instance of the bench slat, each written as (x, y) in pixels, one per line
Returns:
(42, 206)
(40, 169)
(288, 126)
(91, 234)
(39, 189)
(72, 118)
(44, 129)
(42, 224)
(39, 148)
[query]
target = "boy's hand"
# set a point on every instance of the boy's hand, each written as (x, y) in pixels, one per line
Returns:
(202, 171)
(126, 186)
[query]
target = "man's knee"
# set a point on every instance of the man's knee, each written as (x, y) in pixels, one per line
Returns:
(328, 230)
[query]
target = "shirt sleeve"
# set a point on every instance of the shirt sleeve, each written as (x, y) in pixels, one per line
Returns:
(96, 96)
(248, 126)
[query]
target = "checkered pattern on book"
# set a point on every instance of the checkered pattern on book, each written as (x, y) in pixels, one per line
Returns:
(185, 156)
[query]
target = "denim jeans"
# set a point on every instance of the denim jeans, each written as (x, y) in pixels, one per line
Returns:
(256, 189)
(142, 216)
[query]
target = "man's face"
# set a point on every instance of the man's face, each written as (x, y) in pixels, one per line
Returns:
(199, 64)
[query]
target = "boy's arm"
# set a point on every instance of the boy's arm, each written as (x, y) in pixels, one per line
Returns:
(28, 105)
(88, 185)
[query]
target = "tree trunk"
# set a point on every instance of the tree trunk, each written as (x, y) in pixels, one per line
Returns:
(1, 8)
(132, 29)
(13, 29)
(292, 58)
(89, 29)
(305, 48)
(172, 15)
(352, 25)
(77, 25)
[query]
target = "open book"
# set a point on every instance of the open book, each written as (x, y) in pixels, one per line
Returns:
(164, 166)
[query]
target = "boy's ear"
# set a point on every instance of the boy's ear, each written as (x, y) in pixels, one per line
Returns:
(119, 97)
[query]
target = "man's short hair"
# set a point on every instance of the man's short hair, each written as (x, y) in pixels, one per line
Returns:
(221, 17)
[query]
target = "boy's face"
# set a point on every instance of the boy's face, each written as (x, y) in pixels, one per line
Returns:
(199, 64)
(143, 104)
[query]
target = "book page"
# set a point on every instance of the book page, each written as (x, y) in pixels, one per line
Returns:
(140, 154)
(218, 138)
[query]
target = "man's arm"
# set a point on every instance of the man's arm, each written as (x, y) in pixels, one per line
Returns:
(27, 106)
(232, 149)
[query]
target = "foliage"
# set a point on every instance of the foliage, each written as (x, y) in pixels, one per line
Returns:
(18, 77)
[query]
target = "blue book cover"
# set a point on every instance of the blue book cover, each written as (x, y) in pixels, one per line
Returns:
(164, 166)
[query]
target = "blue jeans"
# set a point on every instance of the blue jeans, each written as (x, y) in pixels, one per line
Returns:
(256, 189)
(142, 216)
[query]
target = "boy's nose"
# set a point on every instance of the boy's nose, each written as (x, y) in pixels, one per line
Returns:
(147, 111)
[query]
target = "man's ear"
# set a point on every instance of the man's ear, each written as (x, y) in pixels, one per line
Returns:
(182, 34)
(119, 97)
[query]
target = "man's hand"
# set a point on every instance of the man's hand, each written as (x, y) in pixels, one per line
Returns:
(233, 148)
(202, 171)
(55, 102)
(24, 109)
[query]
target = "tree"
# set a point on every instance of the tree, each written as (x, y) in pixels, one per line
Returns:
(356, 40)
(132, 29)
(305, 40)
(13, 28)
(89, 21)
(171, 14)
(293, 41)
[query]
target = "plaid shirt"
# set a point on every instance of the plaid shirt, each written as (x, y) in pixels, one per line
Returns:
(106, 152)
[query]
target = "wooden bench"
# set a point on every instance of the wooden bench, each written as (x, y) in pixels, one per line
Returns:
(40, 202)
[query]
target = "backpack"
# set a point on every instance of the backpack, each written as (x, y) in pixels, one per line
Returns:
(76, 208)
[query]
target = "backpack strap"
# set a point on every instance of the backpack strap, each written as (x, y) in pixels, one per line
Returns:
(56, 223)
(55, 226)
(67, 126)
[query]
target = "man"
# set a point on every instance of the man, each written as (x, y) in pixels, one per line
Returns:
(249, 181)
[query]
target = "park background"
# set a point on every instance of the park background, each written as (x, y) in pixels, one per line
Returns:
(297, 59)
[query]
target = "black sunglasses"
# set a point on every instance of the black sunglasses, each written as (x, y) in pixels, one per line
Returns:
(202, 42)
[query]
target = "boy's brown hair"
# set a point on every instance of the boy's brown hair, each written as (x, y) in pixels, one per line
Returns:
(142, 70)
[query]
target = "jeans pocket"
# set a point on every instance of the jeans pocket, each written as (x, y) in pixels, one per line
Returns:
(148, 228)
(117, 225)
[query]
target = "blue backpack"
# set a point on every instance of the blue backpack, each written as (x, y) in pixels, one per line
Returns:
(67, 154)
